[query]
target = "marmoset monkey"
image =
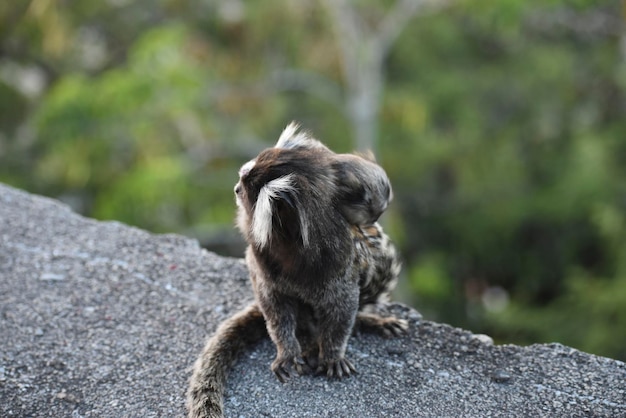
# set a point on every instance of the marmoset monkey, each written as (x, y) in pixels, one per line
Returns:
(316, 258)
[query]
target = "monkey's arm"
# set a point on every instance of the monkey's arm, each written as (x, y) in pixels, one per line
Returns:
(337, 312)
(279, 311)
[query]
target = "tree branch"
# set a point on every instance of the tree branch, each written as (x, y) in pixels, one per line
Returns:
(399, 16)
(312, 83)
(348, 32)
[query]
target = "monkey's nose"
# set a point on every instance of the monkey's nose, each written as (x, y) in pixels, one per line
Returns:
(237, 188)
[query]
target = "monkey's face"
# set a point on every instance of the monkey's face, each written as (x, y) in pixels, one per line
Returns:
(239, 190)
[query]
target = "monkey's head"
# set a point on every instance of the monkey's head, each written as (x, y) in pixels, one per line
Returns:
(364, 190)
(279, 195)
(296, 190)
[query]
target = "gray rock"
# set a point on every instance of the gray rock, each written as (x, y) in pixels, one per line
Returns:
(99, 319)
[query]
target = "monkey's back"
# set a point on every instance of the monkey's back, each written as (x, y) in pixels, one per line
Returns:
(377, 263)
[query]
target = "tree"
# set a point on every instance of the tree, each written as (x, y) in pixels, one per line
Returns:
(363, 47)
(499, 123)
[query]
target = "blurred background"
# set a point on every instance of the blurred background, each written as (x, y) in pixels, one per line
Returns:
(502, 125)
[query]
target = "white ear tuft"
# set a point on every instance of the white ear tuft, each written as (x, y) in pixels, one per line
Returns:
(262, 217)
(290, 138)
(287, 136)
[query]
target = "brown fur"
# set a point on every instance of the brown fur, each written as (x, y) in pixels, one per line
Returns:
(316, 267)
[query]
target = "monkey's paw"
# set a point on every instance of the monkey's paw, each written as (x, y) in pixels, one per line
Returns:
(311, 359)
(388, 326)
(283, 367)
(336, 368)
(393, 327)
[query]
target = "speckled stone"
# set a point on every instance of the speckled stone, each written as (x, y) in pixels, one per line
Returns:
(99, 319)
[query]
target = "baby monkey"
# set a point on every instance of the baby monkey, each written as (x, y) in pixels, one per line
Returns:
(317, 261)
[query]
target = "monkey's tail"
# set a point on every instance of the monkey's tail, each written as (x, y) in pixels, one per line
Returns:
(206, 388)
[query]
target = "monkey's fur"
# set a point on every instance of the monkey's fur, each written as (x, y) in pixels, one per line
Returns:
(363, 188)
(317, 263)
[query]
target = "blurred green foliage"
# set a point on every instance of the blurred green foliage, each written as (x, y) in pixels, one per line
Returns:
(501, 124)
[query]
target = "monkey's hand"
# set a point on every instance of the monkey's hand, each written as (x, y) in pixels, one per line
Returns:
(336, 368)
(394, 327)
(283, 367)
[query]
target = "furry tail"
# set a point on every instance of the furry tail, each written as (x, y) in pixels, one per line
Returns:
(206, 388)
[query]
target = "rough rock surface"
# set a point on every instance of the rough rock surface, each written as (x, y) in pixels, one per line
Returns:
(99, 319)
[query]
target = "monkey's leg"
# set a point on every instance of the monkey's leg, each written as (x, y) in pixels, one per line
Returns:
(307, 333)
(388, 326)
(336, 320)
(280, 317)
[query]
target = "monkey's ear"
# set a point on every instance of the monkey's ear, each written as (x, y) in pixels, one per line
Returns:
(293, 138)
(281, 188)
